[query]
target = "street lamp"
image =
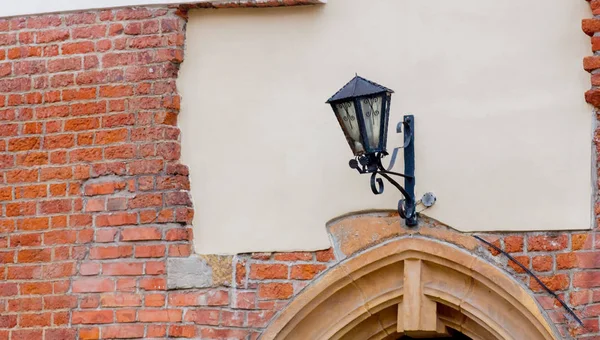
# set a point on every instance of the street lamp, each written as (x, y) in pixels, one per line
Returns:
(362, 109)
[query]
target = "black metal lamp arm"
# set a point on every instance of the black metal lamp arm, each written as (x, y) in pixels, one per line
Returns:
(371, 163)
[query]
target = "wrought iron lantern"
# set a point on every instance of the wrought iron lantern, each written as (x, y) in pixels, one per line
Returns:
(362, 109)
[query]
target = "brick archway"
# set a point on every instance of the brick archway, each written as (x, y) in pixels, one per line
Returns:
(412, 286)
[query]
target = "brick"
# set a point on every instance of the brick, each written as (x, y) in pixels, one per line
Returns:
(24, 304)
(542, 263)
(56, 206)
(103, 188)
(84, 109)
(182, 331)
(52, 112)
(36, 288)
(180, 250)
(26, 334)
(21, 209)
(34, 320)
(154, 300)
(116, 91)
(93, 285)
(38, 223)
(80, 18)
(93, 317)
(591, 63)
(293, 256)
(178, 198)
(270, 291)
(58, 189)
(155, 268)
(590, 26)
(133, 14)
(26, 240)
(81, 124)
(581, 241)
(85, 155)
(202, 316)
(165, 315)
(145, 201)
(125, 315)
(186, 299)
(123, 331)
(513, 244)
(15, 85)
(79, 94)
(32, 159)
(106, 235)
(44, 37)
(588, 260)
(153, 284)
(122, 268)
(259, 319)
(112, 252)
(232, 318)
(119, 152)
(34, 255)
(306, 271)
(24, 144)
(120, 300)
(31, 191)
(118, 120)
(146, 251)
(59, 141)
(111, 136)
(268, 271)
(59, 302)
(89, 32)
(89, 269)
(140, 234)
(78, 47)
(177, 234)
(8, 289)
(44, 21)
(8, 130)
(24, 52)
(29, 67)
(56, 173)
(554, 282)
(547, 243)
(60, 237)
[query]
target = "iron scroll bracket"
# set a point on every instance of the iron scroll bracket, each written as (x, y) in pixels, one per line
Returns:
(371, 163)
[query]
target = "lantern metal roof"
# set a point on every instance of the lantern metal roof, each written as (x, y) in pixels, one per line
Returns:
(358, 87)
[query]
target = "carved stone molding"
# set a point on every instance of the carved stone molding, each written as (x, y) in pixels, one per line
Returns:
(414, 286)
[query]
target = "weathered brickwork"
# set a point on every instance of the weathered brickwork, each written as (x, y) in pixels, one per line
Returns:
(94, 203)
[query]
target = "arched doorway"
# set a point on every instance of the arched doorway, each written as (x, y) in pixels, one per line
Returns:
(416, 288)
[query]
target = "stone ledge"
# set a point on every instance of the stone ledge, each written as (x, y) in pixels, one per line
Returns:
(355, 233)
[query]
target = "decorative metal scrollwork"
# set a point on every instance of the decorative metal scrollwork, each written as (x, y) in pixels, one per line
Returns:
(371, 163)
(372, 113)
(347, 117)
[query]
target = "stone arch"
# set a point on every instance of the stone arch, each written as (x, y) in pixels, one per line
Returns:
(412, 286)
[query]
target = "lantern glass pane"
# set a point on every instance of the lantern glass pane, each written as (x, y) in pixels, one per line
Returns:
(346, 113)
(371, 111)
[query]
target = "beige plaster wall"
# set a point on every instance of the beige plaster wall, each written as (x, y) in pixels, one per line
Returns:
(503, 133)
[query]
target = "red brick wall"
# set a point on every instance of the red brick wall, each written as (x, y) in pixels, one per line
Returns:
(93, 200)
